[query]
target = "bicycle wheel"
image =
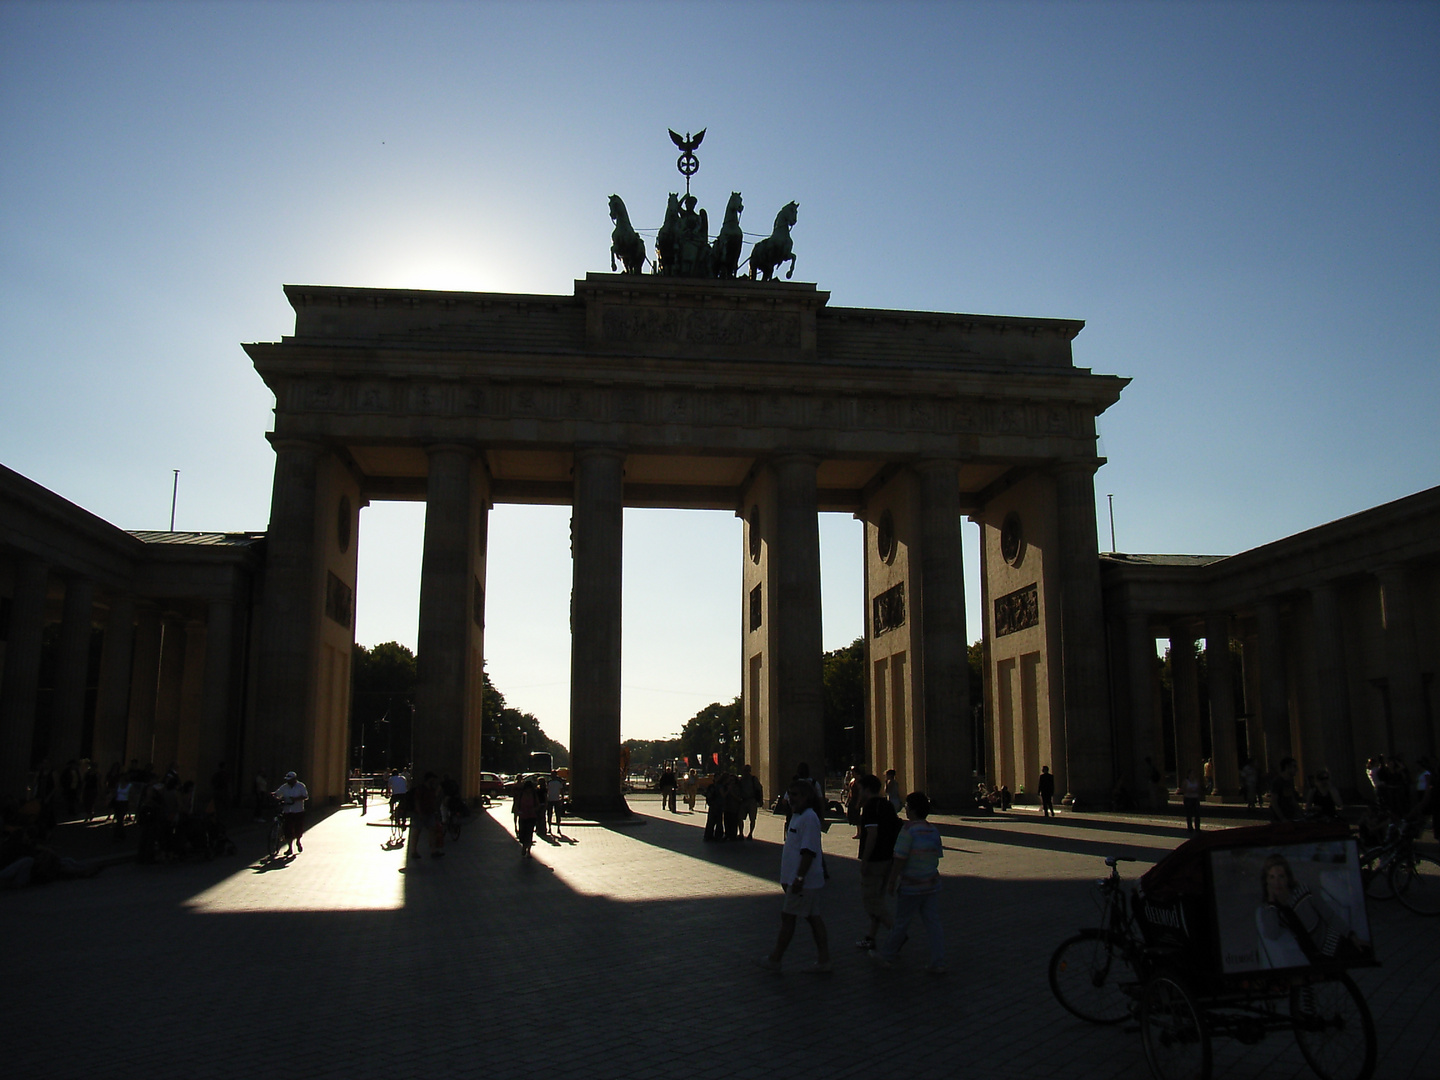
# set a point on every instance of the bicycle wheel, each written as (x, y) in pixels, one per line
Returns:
(1334, 1029)
(1088, 974)
(277, 835)
(1177, 1045)
(1416, 882)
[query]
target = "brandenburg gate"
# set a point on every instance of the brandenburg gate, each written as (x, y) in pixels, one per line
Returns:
(756, 397)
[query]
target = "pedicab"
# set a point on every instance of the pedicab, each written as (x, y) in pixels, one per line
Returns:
(1238, 933)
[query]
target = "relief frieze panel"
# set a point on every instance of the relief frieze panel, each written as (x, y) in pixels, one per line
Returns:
(689, 407)
(698, 326)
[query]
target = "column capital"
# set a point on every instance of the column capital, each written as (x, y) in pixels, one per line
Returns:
(431, 449)
(599, 450)
(291, 443)
(787, 457)
(1070, 467)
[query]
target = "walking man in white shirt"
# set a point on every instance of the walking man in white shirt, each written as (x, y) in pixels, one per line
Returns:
(292, 795)
(802, 876)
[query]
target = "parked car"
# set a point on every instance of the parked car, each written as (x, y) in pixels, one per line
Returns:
(492, 786)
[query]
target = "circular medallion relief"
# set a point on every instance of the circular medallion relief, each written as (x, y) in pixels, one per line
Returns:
(1012, 540)
(885, 538)
(342, 523)
(754, 522)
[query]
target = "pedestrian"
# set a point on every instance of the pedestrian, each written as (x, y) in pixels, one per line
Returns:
(428, 800)
(1425, 797)
(120, 804)
(1046, 787)
(554, 800)
(879, 827)
(1190, 792)
(526, 808)
(1323, 801)
(1284, 799)
(715, 810)
(292, 795)
(915, 882)
(1159, 796)
(1250, 781)
(397, 786)
(260, 789)
(89, 790)
(667, 787)
(753, 792)
(802, 877)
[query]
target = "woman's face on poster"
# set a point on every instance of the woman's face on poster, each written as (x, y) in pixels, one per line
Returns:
(1277, 884)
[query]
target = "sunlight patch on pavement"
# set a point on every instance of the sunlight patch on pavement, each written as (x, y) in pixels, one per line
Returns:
(336, 872)
(620, 867)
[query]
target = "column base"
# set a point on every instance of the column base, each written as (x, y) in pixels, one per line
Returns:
(601, 809)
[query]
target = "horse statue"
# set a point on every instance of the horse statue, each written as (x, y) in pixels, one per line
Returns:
(668, 238)
(725, 251)
(625, 242)
(768, 254)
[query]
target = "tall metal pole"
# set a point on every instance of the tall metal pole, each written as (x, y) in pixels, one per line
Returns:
(174, 492)
(1111, 500)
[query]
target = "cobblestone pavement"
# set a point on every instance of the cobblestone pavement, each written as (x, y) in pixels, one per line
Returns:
(621, 951)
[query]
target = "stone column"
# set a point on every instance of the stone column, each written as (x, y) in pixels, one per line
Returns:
(1274, 691)
(1254, 730)
(192, 694)
(1090, 767)
(284, 694)
(112, 702)
(214, 737)
(72, 671)
(949, 725)
(1147, 740)
(1184, 681)
(169, 692)
(144, 686)
(797, 641)
(1220, 674)
(597, 546)
(443, 641)
(1336, 751)
(21, 688)
(1402, 663)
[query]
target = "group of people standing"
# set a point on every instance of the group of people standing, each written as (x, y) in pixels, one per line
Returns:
(731, 800)
(538, 809)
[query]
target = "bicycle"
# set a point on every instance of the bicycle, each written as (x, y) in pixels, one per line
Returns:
(1394, 868)
(1096, 974)
(275, 834)
(1164, 961)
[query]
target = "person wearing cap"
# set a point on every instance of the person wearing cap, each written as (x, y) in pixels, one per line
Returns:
(292, 795)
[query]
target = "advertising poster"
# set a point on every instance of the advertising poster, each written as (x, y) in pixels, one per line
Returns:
(1289, 906)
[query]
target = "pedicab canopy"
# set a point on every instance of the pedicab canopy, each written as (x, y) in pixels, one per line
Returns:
(1266, 898)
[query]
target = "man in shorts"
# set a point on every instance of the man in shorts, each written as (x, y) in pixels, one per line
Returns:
(292, 795)
(802, 876)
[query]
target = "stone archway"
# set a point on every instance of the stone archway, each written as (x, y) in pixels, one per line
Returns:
(755, 398)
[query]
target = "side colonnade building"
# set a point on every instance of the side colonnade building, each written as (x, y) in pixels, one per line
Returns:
(118, 645)
(1322, 646)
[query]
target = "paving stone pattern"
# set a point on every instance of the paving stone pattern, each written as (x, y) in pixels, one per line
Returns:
(623, 951)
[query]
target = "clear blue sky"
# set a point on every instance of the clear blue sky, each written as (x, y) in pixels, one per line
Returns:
(1241, 200)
